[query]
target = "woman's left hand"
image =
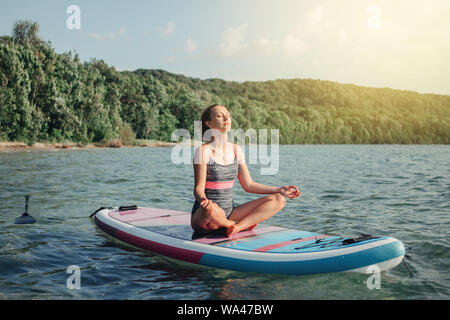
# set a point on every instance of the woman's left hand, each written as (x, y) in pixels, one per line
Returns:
(290, 192)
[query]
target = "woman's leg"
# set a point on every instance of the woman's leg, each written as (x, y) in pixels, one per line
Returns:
(251, 213)
(204, 220)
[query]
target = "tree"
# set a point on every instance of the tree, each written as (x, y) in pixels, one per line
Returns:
(26, 32)
(49, 96)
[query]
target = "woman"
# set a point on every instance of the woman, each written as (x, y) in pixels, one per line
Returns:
(217, 164)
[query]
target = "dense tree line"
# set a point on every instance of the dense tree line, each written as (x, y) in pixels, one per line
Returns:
(46, 96)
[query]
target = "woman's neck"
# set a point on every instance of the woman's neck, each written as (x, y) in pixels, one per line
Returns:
(220, 142)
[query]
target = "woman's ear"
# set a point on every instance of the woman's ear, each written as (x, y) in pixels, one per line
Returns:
(208, 123)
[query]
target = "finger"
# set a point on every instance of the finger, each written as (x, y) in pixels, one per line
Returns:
(204, 202)
(293, 195)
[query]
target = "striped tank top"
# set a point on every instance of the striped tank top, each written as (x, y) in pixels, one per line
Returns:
(219, 183)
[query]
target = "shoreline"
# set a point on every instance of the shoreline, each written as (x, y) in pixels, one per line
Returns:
(14, 146)
(21, 146)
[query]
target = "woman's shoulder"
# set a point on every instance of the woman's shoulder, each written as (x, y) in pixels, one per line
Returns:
(202, 152)
(237, 147)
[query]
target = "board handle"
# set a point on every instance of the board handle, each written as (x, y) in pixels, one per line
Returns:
(127, 208)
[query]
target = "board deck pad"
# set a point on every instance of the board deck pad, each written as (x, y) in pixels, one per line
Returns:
(178, 224)
(262, 239)
(266, 248)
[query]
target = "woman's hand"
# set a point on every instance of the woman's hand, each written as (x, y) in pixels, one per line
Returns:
(206, 204)
(290, 192)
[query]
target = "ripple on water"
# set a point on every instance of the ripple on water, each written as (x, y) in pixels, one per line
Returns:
(399, 191)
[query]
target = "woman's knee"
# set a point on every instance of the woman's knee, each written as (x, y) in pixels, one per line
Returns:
(196, 218)
(202, 220)
(278, 198)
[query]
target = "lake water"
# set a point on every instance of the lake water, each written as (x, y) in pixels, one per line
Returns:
(389, 190)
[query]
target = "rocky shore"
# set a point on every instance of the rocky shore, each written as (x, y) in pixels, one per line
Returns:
(18, 146)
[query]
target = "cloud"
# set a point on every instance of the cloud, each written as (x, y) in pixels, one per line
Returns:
(293, 46)
(166, 31)
(233, 40)
(315, 17)
(264, 46)
(234, 43)
(372, 44)
(296, 42)
(104, 36)
(170, 59)
(191, 45)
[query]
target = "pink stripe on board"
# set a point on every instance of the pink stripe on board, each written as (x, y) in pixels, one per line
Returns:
(152, 246)
(219, 184)
(242, 234)
(289, 242)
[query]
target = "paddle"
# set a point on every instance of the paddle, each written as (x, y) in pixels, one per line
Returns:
(25, 218)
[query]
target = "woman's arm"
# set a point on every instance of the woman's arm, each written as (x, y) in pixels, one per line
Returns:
(201, 158)
(251, 186)
(255, 187)
(246, 180)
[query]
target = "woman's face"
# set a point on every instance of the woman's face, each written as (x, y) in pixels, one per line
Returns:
(220, 119)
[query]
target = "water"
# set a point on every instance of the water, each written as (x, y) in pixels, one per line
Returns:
(400, 191)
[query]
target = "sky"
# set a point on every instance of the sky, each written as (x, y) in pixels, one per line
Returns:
(401, 44)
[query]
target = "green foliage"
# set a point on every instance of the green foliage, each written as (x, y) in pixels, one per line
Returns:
(26, 32)
(45, 96)
(126, 134)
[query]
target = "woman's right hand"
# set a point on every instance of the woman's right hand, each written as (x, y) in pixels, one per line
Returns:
(206, 204)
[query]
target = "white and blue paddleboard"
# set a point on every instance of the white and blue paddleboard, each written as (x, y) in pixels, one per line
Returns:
(267, 249)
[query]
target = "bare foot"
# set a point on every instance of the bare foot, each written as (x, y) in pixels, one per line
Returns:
(252, 227)
(231, 230)
(216, 218)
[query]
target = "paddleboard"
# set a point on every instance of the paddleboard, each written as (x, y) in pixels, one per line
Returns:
(266, 249)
